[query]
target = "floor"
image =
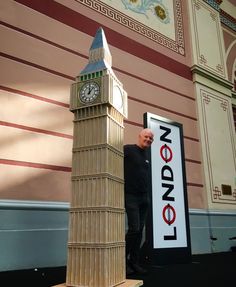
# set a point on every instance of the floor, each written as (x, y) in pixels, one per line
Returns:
(217, 269)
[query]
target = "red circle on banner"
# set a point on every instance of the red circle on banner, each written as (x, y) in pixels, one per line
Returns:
(167, 209)
(163, 153)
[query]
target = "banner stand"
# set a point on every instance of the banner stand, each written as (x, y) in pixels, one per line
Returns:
(167, 233)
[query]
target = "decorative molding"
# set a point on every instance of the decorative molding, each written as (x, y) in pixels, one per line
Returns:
(134, 25)
(216, 193)
(84, 24)
(213, 212)
(213, 16)
(224, 105)
(65, 206)
(214, 4)
(211, 76)
(225, 18)
(219, 68)
(196, 4)
(202, 59)
(206, 98)
(33, 205)
(228, 20)
(234, 94)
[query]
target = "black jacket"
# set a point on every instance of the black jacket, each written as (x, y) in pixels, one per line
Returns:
(136, 169)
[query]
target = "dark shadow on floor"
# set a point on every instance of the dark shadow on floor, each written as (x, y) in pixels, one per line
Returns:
(218, 269)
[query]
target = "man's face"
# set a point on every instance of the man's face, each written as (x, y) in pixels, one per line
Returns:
(145, 139)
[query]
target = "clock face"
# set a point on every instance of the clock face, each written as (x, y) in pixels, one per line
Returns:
(117, 98)
(89, 92)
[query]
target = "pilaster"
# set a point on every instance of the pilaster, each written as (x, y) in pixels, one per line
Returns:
(214, 103)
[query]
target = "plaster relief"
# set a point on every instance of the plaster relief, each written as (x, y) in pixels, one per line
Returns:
(158, 20)
(219, 155)
(208, 38)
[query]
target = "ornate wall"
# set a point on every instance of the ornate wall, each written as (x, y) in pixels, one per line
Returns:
(213, 92)
(175, 58)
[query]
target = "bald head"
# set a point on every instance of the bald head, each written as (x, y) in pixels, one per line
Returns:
(145, 138)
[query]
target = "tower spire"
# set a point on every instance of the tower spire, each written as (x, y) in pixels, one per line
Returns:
(99, 54)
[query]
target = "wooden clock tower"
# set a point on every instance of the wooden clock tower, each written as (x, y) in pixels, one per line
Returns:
(96, 244)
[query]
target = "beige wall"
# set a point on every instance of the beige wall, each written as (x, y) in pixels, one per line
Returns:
(45, 47)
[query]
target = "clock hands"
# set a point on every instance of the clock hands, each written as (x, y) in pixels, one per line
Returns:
(90, 89)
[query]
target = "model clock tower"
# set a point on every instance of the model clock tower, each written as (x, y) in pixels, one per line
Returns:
(96, 244)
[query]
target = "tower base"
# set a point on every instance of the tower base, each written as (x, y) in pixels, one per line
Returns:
(127, 283)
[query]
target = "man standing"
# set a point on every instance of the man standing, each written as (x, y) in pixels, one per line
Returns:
(136, 172)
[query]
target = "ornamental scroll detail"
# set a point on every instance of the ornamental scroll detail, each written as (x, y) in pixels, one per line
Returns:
(156, 12)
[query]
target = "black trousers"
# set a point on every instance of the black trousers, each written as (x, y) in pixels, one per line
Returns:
(136, 207)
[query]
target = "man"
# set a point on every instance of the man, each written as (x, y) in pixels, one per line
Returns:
(136, 171)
